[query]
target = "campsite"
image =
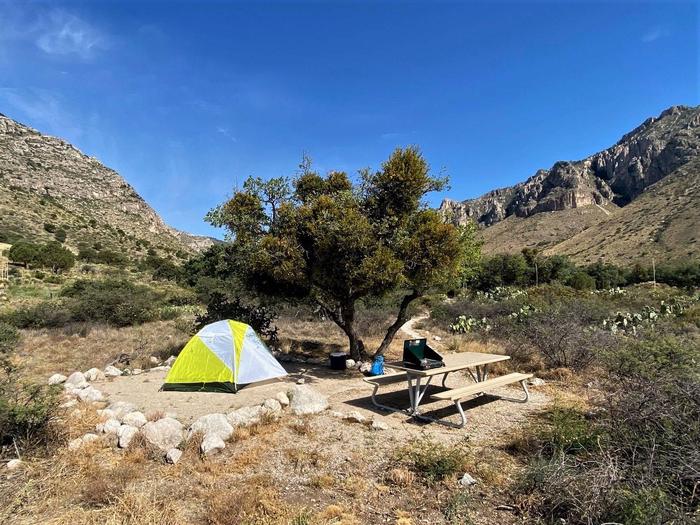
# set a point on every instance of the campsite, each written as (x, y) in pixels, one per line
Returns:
(349, 263)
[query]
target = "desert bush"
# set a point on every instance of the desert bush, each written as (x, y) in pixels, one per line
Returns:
(9, 337)
(636, 461)
(46, 314)
(435, 461)
(221, 307)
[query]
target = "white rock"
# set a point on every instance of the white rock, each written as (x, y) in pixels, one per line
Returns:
(71, 391)
(170, 360)
(14, 464)
(437, 338)
(90, 437)
(535, 381)
(136, 372)
(283, 398)
(356, 417)
(75, 444)
(212, 444)
(57, 379)
(159, 368)
(111, 426)
(173, 455)
(272, 405)
(212, 425)
(125, 434)
(365, 367)
(335, 413)
(135, 419)
(379, 425)
(112, 371)
(466, 480)
(76, 380)
(126, 372)
(95, 374)
(165, 433)
(154, 360)
(68, 404)
(121, 408)
(90, 394)
(301, 381)
(245, 416)
(350, 364)
(305, 400)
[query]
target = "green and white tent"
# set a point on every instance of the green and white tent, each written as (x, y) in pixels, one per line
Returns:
(220, 357)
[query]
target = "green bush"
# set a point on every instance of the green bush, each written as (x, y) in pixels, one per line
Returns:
(435, 461)
(9, 337)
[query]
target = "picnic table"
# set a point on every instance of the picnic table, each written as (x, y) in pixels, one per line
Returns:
(418, 381)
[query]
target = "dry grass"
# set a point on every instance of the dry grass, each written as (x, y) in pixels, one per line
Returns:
(401, 477)
(45, 352)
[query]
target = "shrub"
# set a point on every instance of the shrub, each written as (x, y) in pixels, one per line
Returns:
(435, 461)
(260, 318)
(46, 314)
(9, 337)
(60, 235)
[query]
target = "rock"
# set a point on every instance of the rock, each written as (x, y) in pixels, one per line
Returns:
(535, 381)
(125, 434)
(121, 408)
(212, 425)
(75, 444)
(57, 379)
(126, 372)
(301, 381)
(379, 425)
(90, 395)
(154, 360)
(112, 371)
(245, 416)
(135, 419)
(68, 404)
(14, 464)
(437, 338)
(106, 413)
(165, 433)
(95, 374)
(356, 417)
(335, 413)
(466, 480)
(282, 398)
(76, 380)
(159, 368)
(136, 372)
(212, 444)
(365, 367)
(111, 426)
(170, 360)
(173, 455)
(87, 438)
(305, 400)
(350, 364)
(272, 405)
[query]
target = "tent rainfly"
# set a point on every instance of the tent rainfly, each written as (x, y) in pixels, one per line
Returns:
(220, 357)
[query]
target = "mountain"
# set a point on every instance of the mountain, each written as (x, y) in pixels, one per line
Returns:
(636, 199)
(47, 186)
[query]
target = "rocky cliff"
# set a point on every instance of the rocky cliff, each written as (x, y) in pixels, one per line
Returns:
(47, 184)
(617, 175)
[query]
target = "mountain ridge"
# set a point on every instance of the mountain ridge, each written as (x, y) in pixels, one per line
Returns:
(47, 180)
(538, 213)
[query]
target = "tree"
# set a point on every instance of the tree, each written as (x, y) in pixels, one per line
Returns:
(24, 253)
(53, 255)
(333, 243)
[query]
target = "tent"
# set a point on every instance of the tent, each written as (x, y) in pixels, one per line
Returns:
(220, 357)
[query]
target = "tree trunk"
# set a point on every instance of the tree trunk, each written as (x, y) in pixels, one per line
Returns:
(401, 319)
(344, 317)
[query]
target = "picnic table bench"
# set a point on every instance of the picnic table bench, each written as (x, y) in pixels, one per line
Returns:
(475, 363)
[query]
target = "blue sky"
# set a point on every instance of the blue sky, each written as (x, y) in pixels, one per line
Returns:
(184, 99)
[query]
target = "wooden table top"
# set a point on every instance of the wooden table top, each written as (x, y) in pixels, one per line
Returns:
(453, 363)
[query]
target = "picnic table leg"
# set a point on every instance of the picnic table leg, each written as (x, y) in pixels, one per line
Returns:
(415, 393)
(444, 380)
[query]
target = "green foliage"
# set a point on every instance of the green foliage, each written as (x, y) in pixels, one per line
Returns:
(60, 235)
(457, 507)
(9, 337)
(50, 228)
(463, 324)
(324, 241)
(222, 307)
(435, 461)
(50, 255)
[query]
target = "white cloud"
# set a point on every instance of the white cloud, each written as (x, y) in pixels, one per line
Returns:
(654, 34)
(225, 132)
(62, 33)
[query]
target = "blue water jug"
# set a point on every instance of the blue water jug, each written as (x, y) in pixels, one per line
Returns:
(377, 366)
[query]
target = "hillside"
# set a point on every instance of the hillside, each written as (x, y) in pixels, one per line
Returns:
(634, 199)
(47, 186)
